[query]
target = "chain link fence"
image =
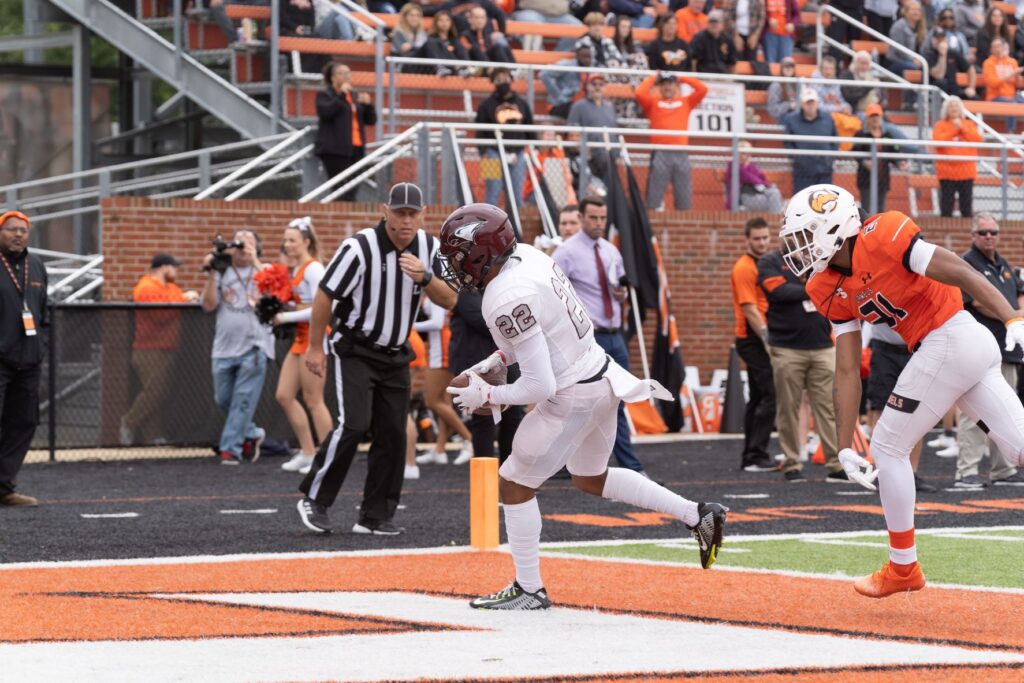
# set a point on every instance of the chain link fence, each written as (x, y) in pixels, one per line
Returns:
(100, 396)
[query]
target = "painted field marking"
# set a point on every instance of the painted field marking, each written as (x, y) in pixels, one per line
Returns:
(258, 511)
(837, 541)
(856, 493)
(970, 489)
(982, 537)
(747, 496)
(109, 515)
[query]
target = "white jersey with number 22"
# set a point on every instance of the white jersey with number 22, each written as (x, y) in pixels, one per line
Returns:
(531, 295)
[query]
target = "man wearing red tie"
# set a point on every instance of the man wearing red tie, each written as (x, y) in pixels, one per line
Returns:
(594, 267)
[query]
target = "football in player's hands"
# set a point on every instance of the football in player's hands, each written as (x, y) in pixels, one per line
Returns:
(495, 378)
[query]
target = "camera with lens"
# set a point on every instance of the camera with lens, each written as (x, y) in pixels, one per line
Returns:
(221, 259)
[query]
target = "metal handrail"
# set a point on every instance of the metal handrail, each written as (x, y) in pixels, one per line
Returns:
(252, 163)
(84, 270)
(258, 180)
(367, 173)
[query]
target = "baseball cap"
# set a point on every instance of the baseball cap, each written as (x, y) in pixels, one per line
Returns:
(939, 33)
(715, 15)
(597, 77)
(667, 76)
(873, 110)
(808, 94)
(163, 259)
(405, 196)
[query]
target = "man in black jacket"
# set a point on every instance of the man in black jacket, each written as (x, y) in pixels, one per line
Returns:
(712, 51)
(24, 323)
(341, 137)
(803, 359)
(503, 107)
(471, 342)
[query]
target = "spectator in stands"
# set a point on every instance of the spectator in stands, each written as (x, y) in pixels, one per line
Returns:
(503, 107)
(881, 14)
(984, 257)
(668, 52)
(460, 9)
(910, 31)
(690, 20)
(217, 11)
(24, 337)
(594, 111)
(443, 44)
(602, 49)
(594, 267)
(157, 336)
(565, 87)
(641, 13)
(750, 307)
(784, 97)
(782, 19)
(830, 97)
(343, 116)
(483, 42)
(744, 21)
(877, 128)
(301, 18)
(860, 97)
(546, 12)
(635, 58)
(302, 251)
(956, 178)
(712, 50)
(810, 169)
(241, 348)
(757, 193)
(944, 63)
(409, 36)
(995, 26)
(945, 25)
(803, 360)
(667, 109)
(842, 31)
(970, 17)
(1001, 76)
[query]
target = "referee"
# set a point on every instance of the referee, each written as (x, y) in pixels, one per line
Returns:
(370, 293)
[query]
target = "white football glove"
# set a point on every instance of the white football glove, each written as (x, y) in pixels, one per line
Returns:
(858, 469)
(1014, 333)
(493, 363)
(474, 395)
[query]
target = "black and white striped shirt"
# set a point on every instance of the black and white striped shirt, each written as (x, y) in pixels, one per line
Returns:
(372, 296)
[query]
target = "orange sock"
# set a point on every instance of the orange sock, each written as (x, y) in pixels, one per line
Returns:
(902, 553)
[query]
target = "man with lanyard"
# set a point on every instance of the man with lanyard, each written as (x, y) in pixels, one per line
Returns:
(370, 293)
(24, 323)
(595, 269)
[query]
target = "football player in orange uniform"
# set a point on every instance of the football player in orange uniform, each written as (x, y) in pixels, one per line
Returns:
(879, 269)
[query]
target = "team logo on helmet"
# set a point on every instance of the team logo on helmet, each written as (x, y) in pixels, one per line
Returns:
(823, 201)
(468, 231)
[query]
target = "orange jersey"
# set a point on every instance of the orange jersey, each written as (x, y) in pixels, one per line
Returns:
(999, 75)
(881, 287)
(746, 291)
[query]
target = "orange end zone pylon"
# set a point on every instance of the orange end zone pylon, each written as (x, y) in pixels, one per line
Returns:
(483, 503)
(861, 444)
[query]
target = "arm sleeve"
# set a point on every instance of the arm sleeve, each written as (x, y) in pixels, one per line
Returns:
(301, 316)
(919, 255)
(436, 320)
(536, 382)
(744, 285)
(643, 93)
(328, 105)
(776, 286)
(699, 91)
(311, 277)
(844, 327)
(343, 273)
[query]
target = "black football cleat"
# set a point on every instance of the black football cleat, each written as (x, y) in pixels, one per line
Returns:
(512, 597)
(708, 531)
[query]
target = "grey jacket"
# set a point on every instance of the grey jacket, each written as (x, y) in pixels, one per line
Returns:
(796, 124)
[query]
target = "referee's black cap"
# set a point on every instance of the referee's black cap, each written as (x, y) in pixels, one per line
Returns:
(406, 196)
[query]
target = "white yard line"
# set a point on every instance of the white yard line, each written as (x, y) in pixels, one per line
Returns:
(108, 515)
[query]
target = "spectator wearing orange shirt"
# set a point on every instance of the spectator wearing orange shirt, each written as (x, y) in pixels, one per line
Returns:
(669, 110)
(343, 115)
(780, 29)
(157, 335)
(690, 20)
(956, 178)
(751, 305)
(1000, 73)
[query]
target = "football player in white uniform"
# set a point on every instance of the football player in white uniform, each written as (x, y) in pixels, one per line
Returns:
(537, 321)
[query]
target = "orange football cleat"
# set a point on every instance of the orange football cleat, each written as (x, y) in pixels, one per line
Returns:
(886, 581)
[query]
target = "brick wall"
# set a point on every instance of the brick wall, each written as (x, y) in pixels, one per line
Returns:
(699, 248)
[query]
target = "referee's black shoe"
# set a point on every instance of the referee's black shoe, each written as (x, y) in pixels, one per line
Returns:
(377, 527)
(314, 516)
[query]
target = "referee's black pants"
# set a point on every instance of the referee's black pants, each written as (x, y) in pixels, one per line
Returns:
(19, 415)
(759, 417)
(374, 397)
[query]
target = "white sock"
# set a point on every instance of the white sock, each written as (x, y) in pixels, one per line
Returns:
(634, 488)
(522, 524)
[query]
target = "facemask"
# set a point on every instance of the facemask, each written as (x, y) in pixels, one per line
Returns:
(503, 89)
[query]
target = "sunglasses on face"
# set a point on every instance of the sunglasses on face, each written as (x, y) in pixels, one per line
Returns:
(987, 233)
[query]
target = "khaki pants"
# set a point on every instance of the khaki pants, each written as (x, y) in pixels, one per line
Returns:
(973, 442)
(153, 367)
(797, 370)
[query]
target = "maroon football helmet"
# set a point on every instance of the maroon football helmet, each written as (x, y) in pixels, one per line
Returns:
(474, 240)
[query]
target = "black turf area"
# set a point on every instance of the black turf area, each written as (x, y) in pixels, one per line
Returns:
(179, 504)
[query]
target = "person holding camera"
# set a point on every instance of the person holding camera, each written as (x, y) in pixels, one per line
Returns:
(370, 293)
(595, 268)
(241, 344)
